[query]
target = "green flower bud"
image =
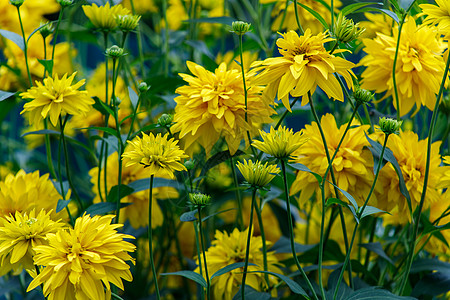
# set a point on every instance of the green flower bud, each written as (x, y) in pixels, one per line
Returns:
(189, 164)
(64, 3)
(115, 52)
(362, 96)
(165, 120)
(199, 200)
(143, 87)
(390, 126)
(17, 3)
(345, 30)
(128, 23)
(46, 29)
(240, 27)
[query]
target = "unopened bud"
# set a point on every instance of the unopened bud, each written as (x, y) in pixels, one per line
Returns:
(17, 3)
(64, 3)
(165, 120)
(199, 200)
(189, 164)
(240, 27)
(46, 29)
(362, 96)
(390, 126)
(115, 52)
(143, 87)
(345, 30)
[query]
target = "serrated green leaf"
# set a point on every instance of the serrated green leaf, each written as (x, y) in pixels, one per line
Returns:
(190, 275)
(229, 268)
(13, 37)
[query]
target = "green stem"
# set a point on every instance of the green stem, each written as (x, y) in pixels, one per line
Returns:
(56, 35)
(25, 46)
(258, 210)
(283, 116)
(150, 237)
(165, 39)
(105, 135)
(394, 66)
(48, 150)
(359, 215)
(247, 251)
(300, 28)
(425, 181)
(291, 230)
(208, 284)
(240, 220)
(61, 185)
(197, 243)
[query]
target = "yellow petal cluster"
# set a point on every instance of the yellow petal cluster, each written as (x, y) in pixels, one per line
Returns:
(280, 143)
(19, 234)
(257, 174)
(230, 248)
(80, 263)
(419, 68)
(213, 105)
(137, 213)
(352, 166)
(438, 15)
(104, 17)
(304, 65)
(159, 154)
(55, 98)
(411, 154)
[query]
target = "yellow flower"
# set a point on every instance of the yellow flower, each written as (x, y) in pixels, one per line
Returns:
(281, 143)
(19, 234)
(304, 65)
(376, 23)
(56, 97)
(420, 66)
(141, 6)
(445, 179)
(257, 174)
(24, 192)
(213, 105)
(307, 20)
(227, 249)
(410, 153)
(80, 263)
(231, 59)
(104, 17)
(137, 213)
(160, 155)
(438, 15)
(352, 166)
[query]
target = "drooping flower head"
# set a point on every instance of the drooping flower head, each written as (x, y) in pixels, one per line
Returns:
(304, 65)
(280, 143)
(80, 263)
(159, 154)
(257, 174)
(411, 154)
(438, 15)
(137, 213)
(213, 105)
(352, 166)
(227, 249)
(104, 17)
(19, 234)
(55, 98)
(419, 68)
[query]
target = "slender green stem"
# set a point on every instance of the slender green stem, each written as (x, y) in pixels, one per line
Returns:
(359, 215)
(104, 145)
(197, 243)
(45, 54)
(425, 181)
(202, 240)
(56, 34)
(61, 185)
(150, 237)
(366, 111)
(283, 116)
(25, 46)
(247, 251)
(255, 14)
(165, 39)
(332, 18)
(300, 28)
(66, 159)
(48, 150)
(394, 66)
(258, 209)
(240, 220)
(291, 230)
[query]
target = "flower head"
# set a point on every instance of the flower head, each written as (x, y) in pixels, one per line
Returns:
(390, 126)
(127, 23)
(104, 17)
(280, 143)
(213, 105)
(419, 68)
(199, 199)
(438, 15)
(352, 165)
(159, 154)
(55, 98)
(227, 249)
(345, 30)
(257, 174)
(80, 263)
(240, 27)
(304, 65)
(19, 234)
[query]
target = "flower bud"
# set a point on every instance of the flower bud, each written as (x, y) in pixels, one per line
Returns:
(115, 52)
(240, 27)
(257, 174)
(46, 29)
(189, 164)
(17, 3)
(64, 3)
(165, 120)
(143, 87)
(362, 96)
(199, 200)
(345, 30)
(390, 126)
(128, 23)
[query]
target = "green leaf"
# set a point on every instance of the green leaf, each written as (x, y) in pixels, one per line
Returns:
(48, 65)
(251, 294)
(315, 14)
(378, 249)
(294, 286)
(370, 210)
(190, 275)
(37, 29)
(102, 107)
(432, 229)
(391, 14)
(5, 95)
(229, 268)
(61, 205)
(189, 216)
(134, 98)
(13, 37)
(375, 293)
(302, 167)
(125, 190)
(144, 184)
(42, 131)
(103, 208)
(433, 284)
(331, 201)
(218, 20)
(216, 213)
(405, 4)
(347, 195)
(355, 6)
(430, 264)
(104, 129)
(283, 245)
